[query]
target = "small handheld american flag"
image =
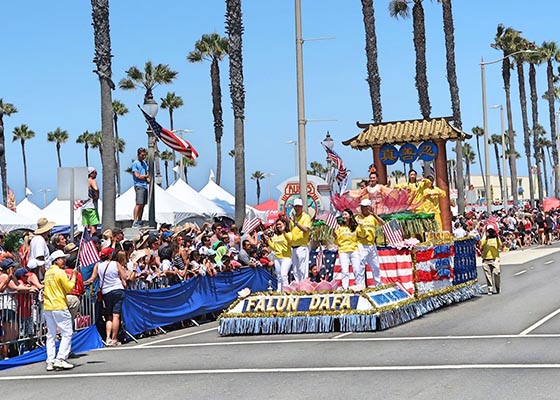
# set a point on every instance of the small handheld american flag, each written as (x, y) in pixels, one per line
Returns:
(393, 233)
(328, 218)
(88, 252)
(250, 224)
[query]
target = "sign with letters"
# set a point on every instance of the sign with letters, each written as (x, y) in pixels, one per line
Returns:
(408, 153)
(388, 154)
(427, 151)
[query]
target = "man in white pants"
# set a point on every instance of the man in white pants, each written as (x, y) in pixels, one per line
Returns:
(367, 224)
(300, 226)
(57, 315)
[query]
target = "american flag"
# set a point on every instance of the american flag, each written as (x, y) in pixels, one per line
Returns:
(328, 218)
(339, 164)
(166, 136)
(393, 233)
(88, 252)
(250, 224)
(78, 204)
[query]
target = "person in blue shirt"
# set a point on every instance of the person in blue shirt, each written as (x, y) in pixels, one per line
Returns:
(141, 179)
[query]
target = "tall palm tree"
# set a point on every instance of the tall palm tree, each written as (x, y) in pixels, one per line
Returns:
(257, 176)
(449, 32)
(535, 59)
(166, 156)
(58, 136)
(496, 140)
(213, 48)
(171, 102)
(102, 60)
(470, 158)
(397, 174)
(551, 53)
(119, 109)
(317, 169)
(401, 8)
(506, 40)
(520, 59)
(478, 132)
(234, 28)
(84, 139)
(6, 109)
(96, 142)
(373, 79)
(188, 163)
(23, 133)
(541, 143)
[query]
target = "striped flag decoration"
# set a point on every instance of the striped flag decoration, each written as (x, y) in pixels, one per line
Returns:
(88, 252)
(395, 266)
(328, 218)
(393, 233)
(339, 164)
(169, 138)
(78, 204)
(250, 224)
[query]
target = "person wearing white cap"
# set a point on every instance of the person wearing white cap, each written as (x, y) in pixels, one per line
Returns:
(299, 228)
(57, 316)
(365, 233)
(90, 213)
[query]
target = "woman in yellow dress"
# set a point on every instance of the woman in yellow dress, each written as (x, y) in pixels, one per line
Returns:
(431, 195)
(280, 243)
(345, 238)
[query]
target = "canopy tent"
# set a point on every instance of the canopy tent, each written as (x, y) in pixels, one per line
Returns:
(10, 221)
(28, 209)
(226, 201)
(270, 207)
(58, 211)
(169, 209)
(181, 190)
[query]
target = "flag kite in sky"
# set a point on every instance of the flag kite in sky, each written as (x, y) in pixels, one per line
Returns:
(169, 138)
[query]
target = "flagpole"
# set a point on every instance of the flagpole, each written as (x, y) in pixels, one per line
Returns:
(79, 251)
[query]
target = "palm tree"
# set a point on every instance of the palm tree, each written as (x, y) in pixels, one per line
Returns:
(102, 59)
(58, 136)
(373, 79)
(166, 156)
(506, 40)
(96, 142)
(541, 143)
(496, 140)
(401, 8)
(188, 163)
(84, 139)
(257, 176)
(397, 174)
(171, 102)
(6, 109)
(213, 48)
(470, 158)
(449, 31)
(551, 53)
(234, 28)
(535, 59)
(317, 169)
(478, 132)
(119, 109)
(23, 133)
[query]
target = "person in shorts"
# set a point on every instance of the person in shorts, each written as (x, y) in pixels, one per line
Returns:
(141, 179)
(90, 213)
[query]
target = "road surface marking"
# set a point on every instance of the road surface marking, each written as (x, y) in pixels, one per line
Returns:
(342, 335)
(177, 337)
(520, 272)
(539, 323)
(281, 370)
(549, 262)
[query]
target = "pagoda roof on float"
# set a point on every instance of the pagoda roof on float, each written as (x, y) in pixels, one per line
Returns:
(408, 131)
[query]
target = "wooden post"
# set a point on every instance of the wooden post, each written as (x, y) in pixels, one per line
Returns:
(442, 182)
(379, 166)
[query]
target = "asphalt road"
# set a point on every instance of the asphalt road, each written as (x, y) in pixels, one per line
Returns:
(491, 347)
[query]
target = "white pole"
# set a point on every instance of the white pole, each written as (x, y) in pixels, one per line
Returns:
(486, 155)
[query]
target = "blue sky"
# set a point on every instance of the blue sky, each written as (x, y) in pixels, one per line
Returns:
(47, 66)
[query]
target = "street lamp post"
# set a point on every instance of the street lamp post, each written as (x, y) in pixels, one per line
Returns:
(151, 108)
(483, 64)
(504, 165)
(181, 166)
(328, 142)
(294, 142)
(268, 175)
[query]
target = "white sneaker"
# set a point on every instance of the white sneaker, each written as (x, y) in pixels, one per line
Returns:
(62, 364)
(50, 366)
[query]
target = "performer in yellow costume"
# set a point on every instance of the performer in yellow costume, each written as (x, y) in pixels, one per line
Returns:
(415, 189)
(431, 195)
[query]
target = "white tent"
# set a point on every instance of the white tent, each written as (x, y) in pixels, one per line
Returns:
(10, 221)
(215, 193)
(58, 211)
(182, 191)
(169, 209)
(28, 209)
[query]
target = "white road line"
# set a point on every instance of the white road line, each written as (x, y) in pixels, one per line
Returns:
(177, 337)
(520, 272)
(281, 370)
(342, 335)
(326, 340)
(539, 323)
(549, 262)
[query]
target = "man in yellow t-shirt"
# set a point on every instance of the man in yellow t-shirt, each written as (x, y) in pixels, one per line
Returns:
(300, 224)
(365, 233)
(57, 285)
(490, 246)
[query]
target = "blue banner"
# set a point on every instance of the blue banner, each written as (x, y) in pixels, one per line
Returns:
(149, 309)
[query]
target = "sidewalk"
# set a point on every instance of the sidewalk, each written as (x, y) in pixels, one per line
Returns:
(517, 257)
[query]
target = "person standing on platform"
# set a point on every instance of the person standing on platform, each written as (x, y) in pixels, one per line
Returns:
(90, 213)
(348, 253)
(141, 178)
(431, 195)
(366, 235)
(280, 243)
(300, 226)
(490, 246)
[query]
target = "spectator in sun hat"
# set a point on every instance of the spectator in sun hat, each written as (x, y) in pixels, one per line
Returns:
(38, 248)
(90, 213)
(72, 250)
(117, 239)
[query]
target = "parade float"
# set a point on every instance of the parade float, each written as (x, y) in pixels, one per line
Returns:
(426, 270)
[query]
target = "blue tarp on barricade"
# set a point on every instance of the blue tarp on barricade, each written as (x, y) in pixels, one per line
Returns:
(82, 341)
(149, 309)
